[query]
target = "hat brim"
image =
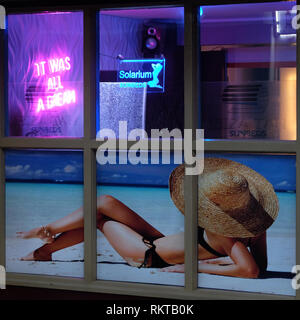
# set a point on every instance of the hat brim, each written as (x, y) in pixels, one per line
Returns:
(255, 220)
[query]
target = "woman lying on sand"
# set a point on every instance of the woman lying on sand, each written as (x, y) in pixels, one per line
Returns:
(236, 206)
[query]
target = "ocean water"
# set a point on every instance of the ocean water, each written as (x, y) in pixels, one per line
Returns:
(30, 205)
(34, 204)
(153, 204)
(285, 224)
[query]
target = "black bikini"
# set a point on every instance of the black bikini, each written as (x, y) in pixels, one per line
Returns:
(205, 245)
(153, 260)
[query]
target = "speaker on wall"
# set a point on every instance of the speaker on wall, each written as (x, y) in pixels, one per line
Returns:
(151, 44)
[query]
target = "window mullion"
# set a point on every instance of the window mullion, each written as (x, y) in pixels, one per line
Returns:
(2, 159)
(2, 208)
(190, 121)
(298, 154)
(2, 80)
(90, 96)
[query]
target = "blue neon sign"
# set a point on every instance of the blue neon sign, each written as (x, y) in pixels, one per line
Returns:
(201, 11)
(142, 73)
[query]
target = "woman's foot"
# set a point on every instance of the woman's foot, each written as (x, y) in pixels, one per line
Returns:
(42, 233)
(38, 255)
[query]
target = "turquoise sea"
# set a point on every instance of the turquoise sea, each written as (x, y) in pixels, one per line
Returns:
(32, 204)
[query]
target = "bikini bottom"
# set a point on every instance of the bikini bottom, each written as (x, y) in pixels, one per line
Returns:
(152, 259)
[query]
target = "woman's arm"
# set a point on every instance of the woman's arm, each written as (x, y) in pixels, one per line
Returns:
(258, 249)
(220, 261)
(242, 264)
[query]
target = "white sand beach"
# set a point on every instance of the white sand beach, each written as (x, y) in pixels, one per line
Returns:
(152, 203)
(111, 266)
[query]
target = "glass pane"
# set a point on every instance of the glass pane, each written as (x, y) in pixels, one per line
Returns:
(134, 202)
(44, 225)
(141, 69)
(248, 71)
(45, 74)
(247, 209)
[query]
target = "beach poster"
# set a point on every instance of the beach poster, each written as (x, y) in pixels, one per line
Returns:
(42, 189)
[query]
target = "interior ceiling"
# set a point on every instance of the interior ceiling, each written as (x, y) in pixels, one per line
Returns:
(250, 11)
(235, 12)
(171, 13)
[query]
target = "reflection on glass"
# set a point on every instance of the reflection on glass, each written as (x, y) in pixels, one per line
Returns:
(134, 202)
(248, 71)
(45, 75)
(247, 219)
(44, 216)
(141, 69)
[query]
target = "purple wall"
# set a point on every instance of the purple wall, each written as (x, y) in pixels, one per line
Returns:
(119, 35)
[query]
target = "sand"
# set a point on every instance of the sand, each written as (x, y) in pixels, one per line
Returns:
(111, 266)
(153, 204)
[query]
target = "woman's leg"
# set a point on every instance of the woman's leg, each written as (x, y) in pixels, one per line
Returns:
(107, 207)
(64, 240)
(70, 222)
(129, 245)
(123, 239)
(127, 242)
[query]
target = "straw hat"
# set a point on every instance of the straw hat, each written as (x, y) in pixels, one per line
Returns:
(233, 200)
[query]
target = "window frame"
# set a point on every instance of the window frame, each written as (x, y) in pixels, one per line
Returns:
(89, 145)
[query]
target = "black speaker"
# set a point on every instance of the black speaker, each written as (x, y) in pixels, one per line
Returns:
(151, 44)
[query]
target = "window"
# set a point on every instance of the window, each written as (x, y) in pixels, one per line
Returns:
(143, 189)
(248, 91)
(42, 188)
(141, 68)
(45, 75)
(280, 235)
(248, 74)
(229, 69)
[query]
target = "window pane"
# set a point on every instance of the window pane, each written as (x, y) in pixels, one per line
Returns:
(248, 71)
(134, 202)
(45, 75)
(141, 69)
(240, 197)
(42, 189)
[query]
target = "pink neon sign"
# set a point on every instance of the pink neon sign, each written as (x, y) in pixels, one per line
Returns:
(53, 69)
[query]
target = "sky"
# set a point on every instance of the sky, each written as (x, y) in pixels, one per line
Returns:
(67, 166)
